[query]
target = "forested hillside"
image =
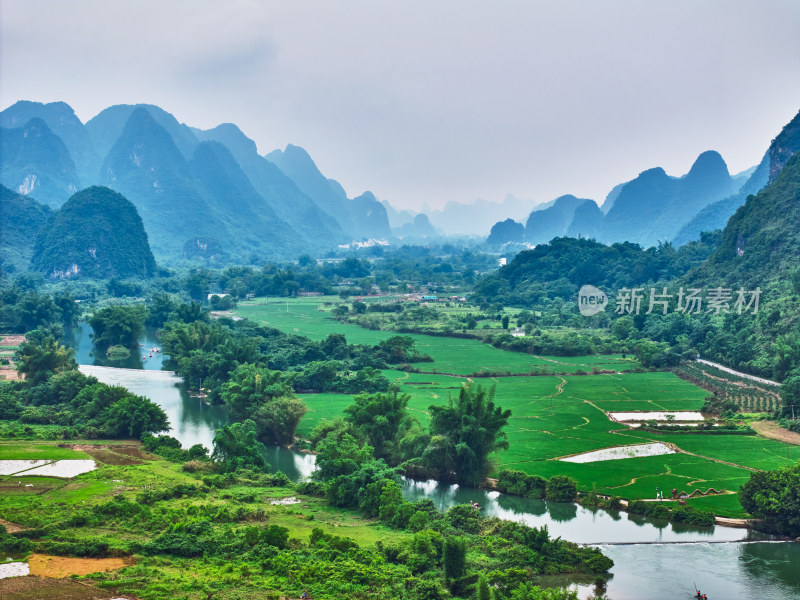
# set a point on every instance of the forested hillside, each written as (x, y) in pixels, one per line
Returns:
(21, 218)
(97, 233)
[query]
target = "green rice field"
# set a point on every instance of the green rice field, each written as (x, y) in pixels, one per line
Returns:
(557, 415)
(302, 316)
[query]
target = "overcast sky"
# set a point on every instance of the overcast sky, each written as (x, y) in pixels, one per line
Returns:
(431, 101)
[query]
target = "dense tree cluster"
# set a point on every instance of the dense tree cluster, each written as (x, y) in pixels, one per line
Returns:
(118, 325)
(774, 496)
(351, 476)
(23, 309)
(558, 269)
(463, 435)
(55, 393)
(207, 353)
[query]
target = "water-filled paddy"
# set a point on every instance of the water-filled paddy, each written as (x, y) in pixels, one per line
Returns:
(621, 452)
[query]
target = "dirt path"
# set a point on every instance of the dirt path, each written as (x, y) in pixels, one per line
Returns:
(771, 429)
(559, 388)
(12, 527)
(737, 373)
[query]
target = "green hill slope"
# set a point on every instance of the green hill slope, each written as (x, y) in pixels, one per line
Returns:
(97, 233)
(21, 218)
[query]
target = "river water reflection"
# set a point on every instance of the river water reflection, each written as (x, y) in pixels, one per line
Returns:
(191, 420)
(80, 338)
(572, 521)
(653, 560)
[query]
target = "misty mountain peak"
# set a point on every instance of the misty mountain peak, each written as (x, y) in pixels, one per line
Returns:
(230, 135)
(709, 164)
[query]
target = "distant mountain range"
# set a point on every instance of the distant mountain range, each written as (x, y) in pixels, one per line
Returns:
(656, 207)
(195, 190)
(759, 247)
(475, 219)
(209, 194)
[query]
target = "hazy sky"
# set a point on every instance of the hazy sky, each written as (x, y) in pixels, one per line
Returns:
(432, 101)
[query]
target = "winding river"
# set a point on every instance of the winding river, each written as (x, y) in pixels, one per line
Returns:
(653, 560)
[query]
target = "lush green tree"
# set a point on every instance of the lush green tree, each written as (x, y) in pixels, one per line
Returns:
(10, 406)
(623, 327)
(465, 432)
(483, 592)
(132, 415)
(423, 551)
(336, 427)
(189, 312)
(318, 376)
(419, 521)
(41, 356)
(36, 310)
(439, 456)
(251, 386)
(159, 308)
(379, 418)
(350, 470)
(790, 394)
(464, 517)
(656, 354)
(340, 455)
(198, 284)
(115, 412)
(774, 496)
(237, 445)
(277, 420)
(391, 499)
(561, 488)
(118, 325)
(454, 557)
(70, 309)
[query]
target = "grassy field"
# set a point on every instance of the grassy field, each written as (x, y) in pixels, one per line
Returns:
(51, 498)
(55, 502)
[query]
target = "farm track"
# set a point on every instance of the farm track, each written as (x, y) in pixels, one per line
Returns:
(770, 429)
(716, 460)
(12, 527)
(559, 388)
(738, 373)
(483, 375)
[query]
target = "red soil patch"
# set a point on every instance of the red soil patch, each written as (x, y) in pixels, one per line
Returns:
(122, 451)
(64, 566)
(10, 374)
(12, 340)
(134, 451)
